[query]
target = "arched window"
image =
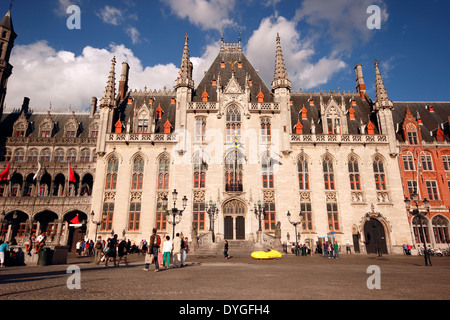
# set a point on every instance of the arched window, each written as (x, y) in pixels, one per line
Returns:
(200, 168)
(59, 155)
(72, 155)
(111, 174)
(233, 123)
(328, 173)
(33, 155)
(19, 155)
(234, 171)
(46, 155)
(267, 173)
(266, 129)
(380, 176)
(353, 170)
(85, 155)
(138, 174)
(440, 229)
(163, 176)
(418, 232)
(303, 173)
(427, 161)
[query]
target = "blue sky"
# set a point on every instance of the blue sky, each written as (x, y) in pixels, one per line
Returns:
(322, 41)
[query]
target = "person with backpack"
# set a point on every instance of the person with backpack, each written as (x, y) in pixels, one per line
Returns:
(155, 243)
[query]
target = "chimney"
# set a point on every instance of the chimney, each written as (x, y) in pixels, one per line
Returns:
(93, 107)
(25, 105)
(360, 85)
(123, 84)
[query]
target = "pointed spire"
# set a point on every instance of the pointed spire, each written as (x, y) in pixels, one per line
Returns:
(109, 95)
(382, 99)
(185, 77)
(7, 23)
(280, 78)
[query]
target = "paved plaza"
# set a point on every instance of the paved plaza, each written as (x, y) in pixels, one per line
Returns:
(240, 278)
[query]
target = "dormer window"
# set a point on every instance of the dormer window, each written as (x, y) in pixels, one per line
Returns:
(159, 112)
(371, 128)
(351, 113)
(440, 135)
(260, 97)
(411, 134)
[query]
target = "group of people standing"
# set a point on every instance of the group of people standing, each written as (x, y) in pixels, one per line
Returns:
(179, 247)
(331, 250)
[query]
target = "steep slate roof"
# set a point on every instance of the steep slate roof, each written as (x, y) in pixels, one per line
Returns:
(225, 75)
(431, 120)
(363, 111)
(160, 98)
(35, 119)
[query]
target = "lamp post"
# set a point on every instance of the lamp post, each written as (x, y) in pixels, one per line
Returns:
(176, 213)
(213, 213)
(295, 224)
(416, 213)
(260, 210)
(97, 223)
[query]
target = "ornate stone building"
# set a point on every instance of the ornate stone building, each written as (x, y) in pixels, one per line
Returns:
(231, 141)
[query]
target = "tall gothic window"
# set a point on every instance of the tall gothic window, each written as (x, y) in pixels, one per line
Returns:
(200, 168)
(134, 217)
(200, 129)
(234, 171)
(267, 173)
(233, 123)
(303, 173)
(353, 170)
(108, 210)
(328, 173)
(163, 175)
(266, 130)
(380, 176)
(138, 174)
(111, 174)
(333, 217)
(417, 230)
(270, 216)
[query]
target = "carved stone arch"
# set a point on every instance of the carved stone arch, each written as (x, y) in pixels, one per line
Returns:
(202, 156)
(138, 154)
(162, 155)
(113, 154)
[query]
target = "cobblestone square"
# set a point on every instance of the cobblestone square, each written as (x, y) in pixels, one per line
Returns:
(240, 278)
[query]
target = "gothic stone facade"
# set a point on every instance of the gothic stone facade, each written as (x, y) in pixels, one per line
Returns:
(231, 141)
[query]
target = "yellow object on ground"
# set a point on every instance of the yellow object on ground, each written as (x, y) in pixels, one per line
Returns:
(264, 255)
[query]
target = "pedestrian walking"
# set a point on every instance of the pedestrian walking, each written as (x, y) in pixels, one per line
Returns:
(325, 250)
(4, 248)
(112, 251)
(177, 251)
(98, 250)
(184, 251)
(167, 249)
(225, 250)
(78, 248)
(122, 252)
(155, 243)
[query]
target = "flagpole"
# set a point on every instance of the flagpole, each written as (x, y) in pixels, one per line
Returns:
(235, 163)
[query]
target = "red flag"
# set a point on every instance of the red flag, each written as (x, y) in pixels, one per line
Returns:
(4, 176)
(72, 175)
(75, 220)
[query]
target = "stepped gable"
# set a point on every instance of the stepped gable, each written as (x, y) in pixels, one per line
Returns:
(433, 115)
(363, 111)
(221, 71)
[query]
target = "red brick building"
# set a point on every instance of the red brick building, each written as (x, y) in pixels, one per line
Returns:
(423, 134)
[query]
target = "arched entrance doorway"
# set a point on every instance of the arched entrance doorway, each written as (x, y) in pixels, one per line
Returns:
(76, 222)
(375, 236)
(234, 213)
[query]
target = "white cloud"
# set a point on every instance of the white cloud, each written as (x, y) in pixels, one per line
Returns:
(61, 8)
(212, 14)
(344, 22)
(62, 78)
(298, 53)
(111, 15)
(134, 34)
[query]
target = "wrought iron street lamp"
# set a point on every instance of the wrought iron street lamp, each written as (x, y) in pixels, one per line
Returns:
(295, 224)
(97, 223)
(213, 213)
(417, 214)
(176, 213)
(259, 213)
